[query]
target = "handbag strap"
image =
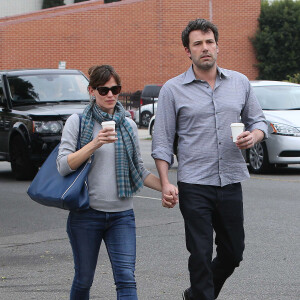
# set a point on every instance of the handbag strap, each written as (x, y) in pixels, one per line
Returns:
(79, 133)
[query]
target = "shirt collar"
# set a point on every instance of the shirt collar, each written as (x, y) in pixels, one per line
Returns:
(190, 75)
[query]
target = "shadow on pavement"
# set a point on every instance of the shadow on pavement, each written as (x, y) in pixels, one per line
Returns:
(291, 170)
(6, 175)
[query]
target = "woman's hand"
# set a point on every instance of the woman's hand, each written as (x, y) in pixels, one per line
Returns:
(104, 136)
(169, 195)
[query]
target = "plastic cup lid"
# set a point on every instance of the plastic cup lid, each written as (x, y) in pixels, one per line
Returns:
(236, 124)
(109, 123)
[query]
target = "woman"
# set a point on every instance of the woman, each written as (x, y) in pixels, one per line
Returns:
(117, 172)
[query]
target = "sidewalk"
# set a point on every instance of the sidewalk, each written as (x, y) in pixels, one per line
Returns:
(143, 134)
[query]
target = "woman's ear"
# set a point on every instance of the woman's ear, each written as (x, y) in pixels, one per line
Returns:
(91, 91)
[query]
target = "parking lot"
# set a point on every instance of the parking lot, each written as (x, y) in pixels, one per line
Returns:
(36, 259)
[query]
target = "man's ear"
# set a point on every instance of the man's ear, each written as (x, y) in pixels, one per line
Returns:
(187, 51)
(217, 49)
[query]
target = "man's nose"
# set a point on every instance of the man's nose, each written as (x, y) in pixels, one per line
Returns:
(204, 47)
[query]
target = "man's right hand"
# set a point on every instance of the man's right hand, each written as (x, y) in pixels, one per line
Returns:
(169, 191)
(169, 195)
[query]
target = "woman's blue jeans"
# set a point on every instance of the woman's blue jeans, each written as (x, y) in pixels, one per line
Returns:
(86, 229)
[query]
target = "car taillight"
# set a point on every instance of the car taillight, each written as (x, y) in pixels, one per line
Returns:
(141, 101)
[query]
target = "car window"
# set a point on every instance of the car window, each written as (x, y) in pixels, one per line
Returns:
(278, 97)
(48, 88)
(151, 91)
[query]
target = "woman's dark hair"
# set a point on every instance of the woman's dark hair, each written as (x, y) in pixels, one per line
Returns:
(198, 24)
(99, 75)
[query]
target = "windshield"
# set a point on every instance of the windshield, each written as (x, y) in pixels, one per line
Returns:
(278, 97)
(48, 88)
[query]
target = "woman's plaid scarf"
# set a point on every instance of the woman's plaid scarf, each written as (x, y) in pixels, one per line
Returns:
(129, 179)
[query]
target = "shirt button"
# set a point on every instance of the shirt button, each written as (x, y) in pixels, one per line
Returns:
(220, 143)
(220, 158)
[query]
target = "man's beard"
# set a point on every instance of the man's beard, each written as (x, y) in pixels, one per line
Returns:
(206, 65)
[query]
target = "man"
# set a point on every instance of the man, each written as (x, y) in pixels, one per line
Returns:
(199, 106)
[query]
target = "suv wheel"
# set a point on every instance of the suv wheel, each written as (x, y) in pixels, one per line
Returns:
(22, 167)
(145, 118)
(258, 159)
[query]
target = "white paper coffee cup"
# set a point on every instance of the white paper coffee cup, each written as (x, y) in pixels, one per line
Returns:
(109, 124)
(236, 130)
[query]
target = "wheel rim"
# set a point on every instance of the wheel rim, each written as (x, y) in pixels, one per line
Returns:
(146, 119)
(21, 164)
(256, 156)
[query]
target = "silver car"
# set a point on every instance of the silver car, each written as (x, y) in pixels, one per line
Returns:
(280, 102)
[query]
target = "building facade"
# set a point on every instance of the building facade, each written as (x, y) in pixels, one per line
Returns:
(140, 38)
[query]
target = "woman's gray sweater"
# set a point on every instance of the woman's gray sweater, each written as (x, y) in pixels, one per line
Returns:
(102, 178)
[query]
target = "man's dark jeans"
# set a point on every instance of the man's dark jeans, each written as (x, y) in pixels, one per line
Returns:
(206, 209)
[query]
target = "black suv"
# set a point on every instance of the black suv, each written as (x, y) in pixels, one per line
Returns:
(150, 92)
(34, 105)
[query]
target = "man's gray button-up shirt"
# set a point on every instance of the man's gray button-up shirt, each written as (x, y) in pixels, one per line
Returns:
(201, 116)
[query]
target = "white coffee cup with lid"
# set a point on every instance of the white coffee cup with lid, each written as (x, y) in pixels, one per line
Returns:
(236, 130)
(109, 124)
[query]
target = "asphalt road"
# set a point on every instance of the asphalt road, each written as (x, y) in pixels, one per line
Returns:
(36, 259)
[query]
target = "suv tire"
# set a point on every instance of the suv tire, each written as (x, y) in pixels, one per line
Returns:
(22, 167)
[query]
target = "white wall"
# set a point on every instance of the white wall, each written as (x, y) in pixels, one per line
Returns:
(17, 7)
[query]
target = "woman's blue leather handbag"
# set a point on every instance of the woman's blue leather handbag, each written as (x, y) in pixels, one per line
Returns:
(67, 192)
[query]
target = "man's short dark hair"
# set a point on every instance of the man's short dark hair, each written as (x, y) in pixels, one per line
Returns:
(198, 24)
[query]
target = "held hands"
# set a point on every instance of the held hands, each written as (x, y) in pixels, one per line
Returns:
(105, 136)
(169, 195)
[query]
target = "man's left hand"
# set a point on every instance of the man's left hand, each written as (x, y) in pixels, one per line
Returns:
(245, 140)
(248, 139)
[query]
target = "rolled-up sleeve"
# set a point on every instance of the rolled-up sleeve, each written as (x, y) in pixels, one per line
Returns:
(165, 126)
(252, 115)
(68, 144)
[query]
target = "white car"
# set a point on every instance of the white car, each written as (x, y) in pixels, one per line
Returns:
(143, 115)
(280, 102)
(151, 125)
